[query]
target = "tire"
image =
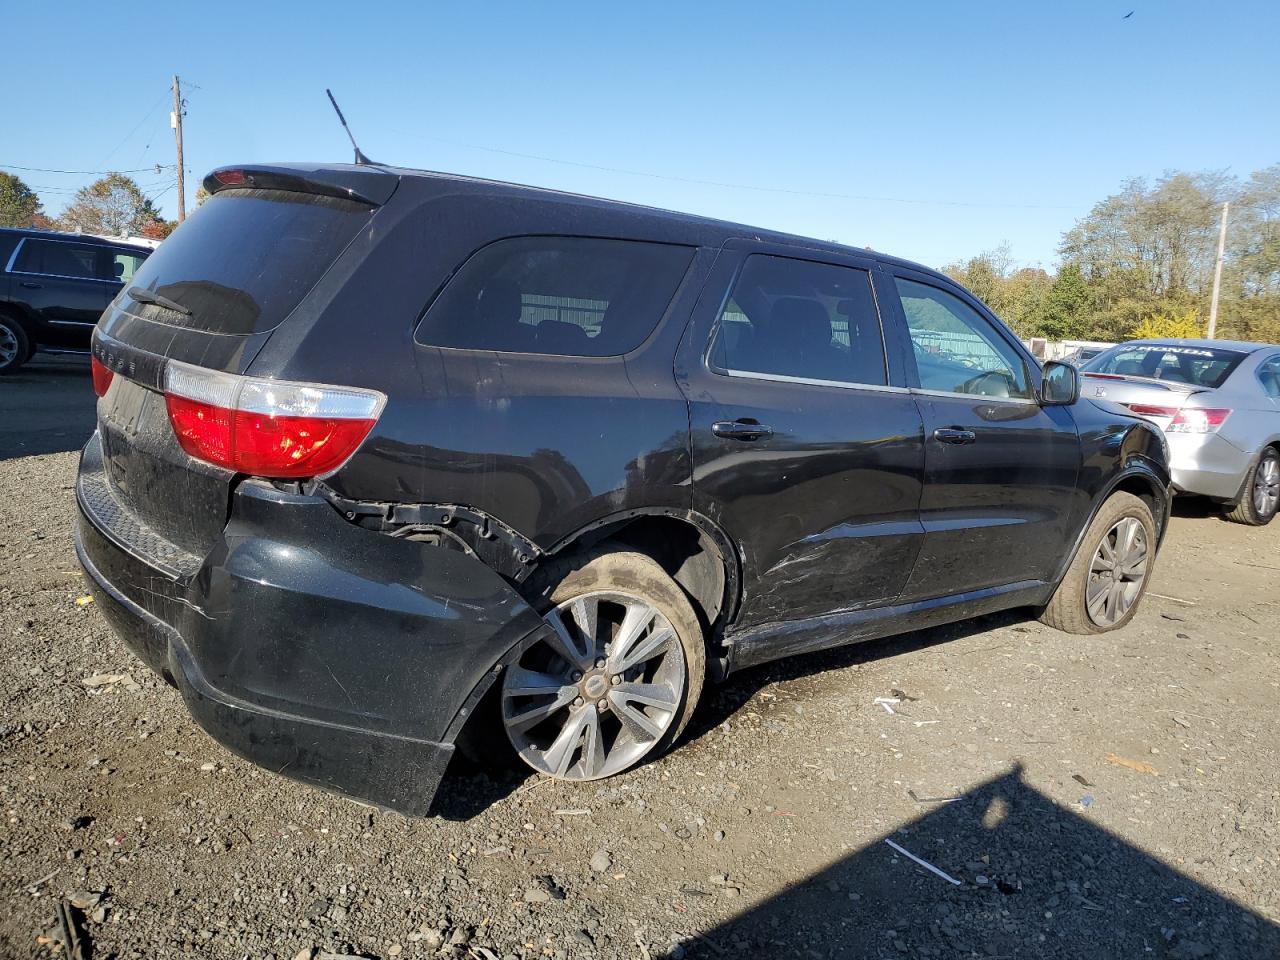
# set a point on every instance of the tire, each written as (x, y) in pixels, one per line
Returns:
(15, 346)
(1068, 610)
(1251, 508)
(570, 686)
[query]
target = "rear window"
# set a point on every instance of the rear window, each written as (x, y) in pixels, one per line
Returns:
(1198, 366)
(246, 258)
(571, 296)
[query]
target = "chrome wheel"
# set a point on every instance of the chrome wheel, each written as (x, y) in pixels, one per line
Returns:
(600, 692)
(1117, 573)
(1266, 486)
(9, 345)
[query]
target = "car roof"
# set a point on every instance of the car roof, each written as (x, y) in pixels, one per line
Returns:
(1243, 346)
(78, 237)
(707, 227)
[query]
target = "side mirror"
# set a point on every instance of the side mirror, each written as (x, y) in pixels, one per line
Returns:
(1060, 386)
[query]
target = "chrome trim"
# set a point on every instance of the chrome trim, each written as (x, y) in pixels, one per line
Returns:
(71, 323)
(807, 381)
(920, 391)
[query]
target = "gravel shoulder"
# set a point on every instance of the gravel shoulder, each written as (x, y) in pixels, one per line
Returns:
(1117, 796)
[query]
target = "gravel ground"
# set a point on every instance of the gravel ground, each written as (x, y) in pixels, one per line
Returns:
(1104, 797)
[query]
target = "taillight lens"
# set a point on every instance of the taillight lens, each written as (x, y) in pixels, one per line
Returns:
(1198, 420)
(267, 428)
(1151, 410)
(101, 376)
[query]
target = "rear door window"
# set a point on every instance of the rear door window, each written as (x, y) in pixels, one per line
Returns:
(570, 296)
(124, 264)
(246, 258)
(798, 319)
(957, 350)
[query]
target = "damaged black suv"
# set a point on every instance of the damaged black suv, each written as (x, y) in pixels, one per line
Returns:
(380, 452)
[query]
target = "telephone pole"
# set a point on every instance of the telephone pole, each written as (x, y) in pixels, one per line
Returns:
(1217, 274)
(176, 123)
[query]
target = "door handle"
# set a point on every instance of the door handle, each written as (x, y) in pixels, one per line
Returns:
(31, 286)
(744, 429)
(954, 435)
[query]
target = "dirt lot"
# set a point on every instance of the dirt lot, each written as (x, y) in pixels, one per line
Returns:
(1117, 796)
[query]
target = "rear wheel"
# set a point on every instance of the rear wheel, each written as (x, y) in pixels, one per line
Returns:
(1109, 574)
(618, 678)
(15, 347)
(1260, 494)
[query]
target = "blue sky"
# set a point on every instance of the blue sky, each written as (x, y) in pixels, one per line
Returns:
(997, 122)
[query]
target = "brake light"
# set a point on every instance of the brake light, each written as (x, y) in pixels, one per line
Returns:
(1151, 410)
(1198, 420)
(102, 376)
(229, 178)
(267, 428)
(1104, 376)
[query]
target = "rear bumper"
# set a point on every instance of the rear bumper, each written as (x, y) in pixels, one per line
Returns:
(1206, 464)
(330, 654)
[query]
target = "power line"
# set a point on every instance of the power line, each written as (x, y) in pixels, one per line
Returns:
(748, 186)
(137, 126)
(85, 173)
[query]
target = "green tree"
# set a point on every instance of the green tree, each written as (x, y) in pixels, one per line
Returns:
(112, 206)
(1068, 306)
(19, 205)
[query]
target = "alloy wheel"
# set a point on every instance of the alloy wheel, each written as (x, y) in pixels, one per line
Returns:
(1117, 572)
(9, 345)
(1266, 486)
(599, 692)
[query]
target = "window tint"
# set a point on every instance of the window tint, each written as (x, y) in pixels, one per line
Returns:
(956, 348)
(794, 318)
(125, 264)
(1199, 366)
(60, 259)
(572, 296)
(1269, 376)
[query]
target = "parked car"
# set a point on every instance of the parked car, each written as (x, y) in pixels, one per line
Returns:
(386, 459)
(1082, 355)
(1218, 403)
(54, 288)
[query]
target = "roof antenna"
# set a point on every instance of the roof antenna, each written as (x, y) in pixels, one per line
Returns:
(361, 159)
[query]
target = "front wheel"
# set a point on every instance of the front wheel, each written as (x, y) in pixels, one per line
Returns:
(1260, 494)
(615, 680)
(1109, 574)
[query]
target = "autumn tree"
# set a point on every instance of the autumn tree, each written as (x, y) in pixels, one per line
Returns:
(19, 205)
(111, 206)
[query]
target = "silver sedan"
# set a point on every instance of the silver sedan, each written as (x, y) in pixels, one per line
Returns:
(1218, 403)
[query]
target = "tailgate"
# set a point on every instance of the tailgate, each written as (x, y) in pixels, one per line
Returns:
(211, 295)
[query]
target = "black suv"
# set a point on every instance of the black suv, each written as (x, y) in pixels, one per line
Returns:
(381, 452)
(54, 288)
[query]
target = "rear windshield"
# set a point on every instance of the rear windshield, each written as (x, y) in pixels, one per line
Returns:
(246, 258)
(1197, 366)
(571, 296)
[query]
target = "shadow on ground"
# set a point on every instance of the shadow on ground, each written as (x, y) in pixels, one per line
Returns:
(46, 406)
(1036, 880)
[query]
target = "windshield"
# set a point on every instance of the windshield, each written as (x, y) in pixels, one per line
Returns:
(1198, 366)
(244, 260)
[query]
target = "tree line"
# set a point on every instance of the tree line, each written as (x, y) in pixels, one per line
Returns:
(111, 206)
(1141, 264)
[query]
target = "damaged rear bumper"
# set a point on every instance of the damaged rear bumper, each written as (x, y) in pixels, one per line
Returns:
(333, 655)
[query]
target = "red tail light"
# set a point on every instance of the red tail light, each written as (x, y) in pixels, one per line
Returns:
(101, 376)
(1198, 420)
(1151, 410)
(267, 428)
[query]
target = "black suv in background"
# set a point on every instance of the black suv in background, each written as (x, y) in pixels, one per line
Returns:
(387, 457)
(54, 287)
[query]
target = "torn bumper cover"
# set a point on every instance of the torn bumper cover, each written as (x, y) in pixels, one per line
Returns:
(333, 655)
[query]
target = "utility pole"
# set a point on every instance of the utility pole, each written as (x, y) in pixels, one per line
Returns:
(175, 120)
(1217, 274)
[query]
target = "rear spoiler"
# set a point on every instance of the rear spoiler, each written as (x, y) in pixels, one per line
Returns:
(363, 184)
(1172, 386)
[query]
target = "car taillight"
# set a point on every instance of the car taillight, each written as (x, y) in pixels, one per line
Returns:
(1198, 420)
(267, 428)
(1151, 410)
(101, 376)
